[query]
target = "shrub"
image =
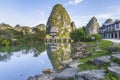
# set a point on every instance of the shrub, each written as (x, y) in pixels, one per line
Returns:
(80, 34)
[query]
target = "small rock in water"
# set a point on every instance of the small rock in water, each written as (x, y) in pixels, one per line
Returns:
(21, 74)
(41, 77)
(74, 64)
(47, 71)
(60, 67)
(30, 78)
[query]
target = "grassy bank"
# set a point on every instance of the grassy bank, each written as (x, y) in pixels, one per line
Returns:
(101, 46)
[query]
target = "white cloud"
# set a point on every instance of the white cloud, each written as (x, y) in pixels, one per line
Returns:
(104, 16)
(40, 13)
(81, 20)
(73, 2)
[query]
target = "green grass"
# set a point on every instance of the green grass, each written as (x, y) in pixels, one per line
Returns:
(102, 45)
(87, 63)
(109, 76)
(97, 54)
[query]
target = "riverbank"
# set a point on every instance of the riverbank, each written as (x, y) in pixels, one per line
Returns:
(99, 61)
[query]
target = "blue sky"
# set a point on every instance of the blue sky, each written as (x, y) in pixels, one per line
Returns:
(34, 12)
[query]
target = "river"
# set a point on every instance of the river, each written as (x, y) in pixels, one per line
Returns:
(19, 64)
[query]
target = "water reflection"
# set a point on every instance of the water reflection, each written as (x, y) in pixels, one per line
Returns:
(31, 60)
(20, 62)
(59, 54)
(7, 51)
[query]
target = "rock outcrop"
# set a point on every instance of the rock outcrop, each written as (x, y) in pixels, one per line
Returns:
(102, 60)
(67, 74)
(4, 26)
(73, 26)
(115, 71)
(41, 27)
(30, 30)
(24, 29)
(60, 22)
(79, 50)
(91, 75)
(93, 26)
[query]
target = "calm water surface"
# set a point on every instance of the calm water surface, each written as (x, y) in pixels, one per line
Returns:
(20, 65)
(24, 62)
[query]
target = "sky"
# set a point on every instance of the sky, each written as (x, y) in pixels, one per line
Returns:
(34, 12)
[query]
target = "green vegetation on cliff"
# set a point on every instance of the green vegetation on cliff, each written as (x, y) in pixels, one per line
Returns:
(58, 16)
(59, 20)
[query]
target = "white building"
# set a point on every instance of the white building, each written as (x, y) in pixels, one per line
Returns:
(110, 30)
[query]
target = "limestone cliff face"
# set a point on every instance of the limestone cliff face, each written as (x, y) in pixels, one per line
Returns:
(4, 26)
(93, 26)
(59, 21)
(24, 29)
(30, 30)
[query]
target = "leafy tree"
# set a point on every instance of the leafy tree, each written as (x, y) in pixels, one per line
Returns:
(80, 34)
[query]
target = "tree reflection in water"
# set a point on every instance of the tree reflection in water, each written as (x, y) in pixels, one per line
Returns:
(7, 51)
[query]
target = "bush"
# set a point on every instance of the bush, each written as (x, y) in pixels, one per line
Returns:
(80, 34)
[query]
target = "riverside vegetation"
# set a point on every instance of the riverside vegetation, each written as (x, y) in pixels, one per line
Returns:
(21, 35)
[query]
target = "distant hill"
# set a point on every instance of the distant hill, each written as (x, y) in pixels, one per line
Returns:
(21, 34)
(93, 26)
(4, 26)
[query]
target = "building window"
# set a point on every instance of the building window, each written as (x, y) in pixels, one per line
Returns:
(113, 27)
(117, 25)
(106, 28)
(110, 27)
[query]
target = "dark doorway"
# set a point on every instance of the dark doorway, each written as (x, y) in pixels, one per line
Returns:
(112, 35)
(104, 35)
(119, 34)
(115, 35)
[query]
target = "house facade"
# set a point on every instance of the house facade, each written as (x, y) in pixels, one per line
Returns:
(110, 30)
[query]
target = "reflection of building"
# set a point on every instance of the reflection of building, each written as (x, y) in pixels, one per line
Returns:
(52, 47)
(53, 32)
(58, 53)
(110, 30)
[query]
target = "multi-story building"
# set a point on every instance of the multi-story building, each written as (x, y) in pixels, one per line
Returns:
(110, 30)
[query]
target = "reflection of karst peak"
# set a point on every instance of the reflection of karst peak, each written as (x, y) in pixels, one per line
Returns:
(52, 47)
(58, 53)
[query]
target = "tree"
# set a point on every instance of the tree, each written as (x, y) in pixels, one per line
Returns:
(80, 34)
